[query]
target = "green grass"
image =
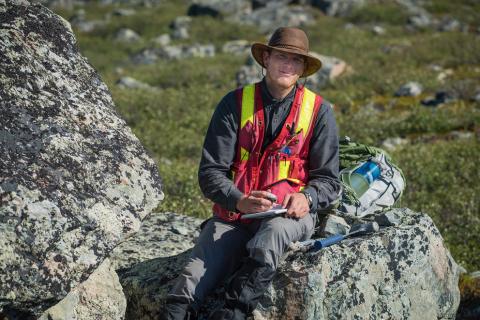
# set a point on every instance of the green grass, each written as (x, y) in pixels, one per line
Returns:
(171, 121)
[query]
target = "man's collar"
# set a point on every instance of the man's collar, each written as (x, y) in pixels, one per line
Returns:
(269, 99)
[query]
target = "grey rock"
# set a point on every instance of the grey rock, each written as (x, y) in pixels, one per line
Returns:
(332, 225)
(131, 83)
(338, 8)
(99, 297)
(332, 68)
(79, 22)
(440, 97)
(475, 274)
(388, 219)
(146, 56)
(161, 235)
(420, 21)
(181, 22)
(185, 51)
(126, 35)
(219, 8)
(397, 273)
(200, 51)
(75, 181)
(275, 14)
(162, 40)
(124, 12)
(248, 74)
(410, 89)
(449, 24)
(237, 47)
(180, 33)
(378, 30)
(476, 97)
(393, 143)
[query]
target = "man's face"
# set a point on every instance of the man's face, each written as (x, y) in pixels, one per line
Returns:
(283, 69)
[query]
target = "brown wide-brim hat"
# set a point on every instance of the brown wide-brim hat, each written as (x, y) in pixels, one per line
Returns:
(291, 40)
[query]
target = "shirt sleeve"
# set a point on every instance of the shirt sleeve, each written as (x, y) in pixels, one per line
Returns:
(218, 154)
(324, 184)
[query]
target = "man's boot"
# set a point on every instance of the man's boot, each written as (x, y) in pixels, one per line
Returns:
(177, 310)
(245, 290)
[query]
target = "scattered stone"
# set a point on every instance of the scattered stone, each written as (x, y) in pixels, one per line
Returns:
(402, 271)
(99, 297)
(435, 67)
(410, 89)
(338, 8)
(75, 181)
(476, 97)
(200, 51)
(237, 47)
(256, 4)
(249, 73)
(218, 8)
(180, 33)
(268, 18)
(444, 75)
(475, 274)
(393, 143)
(349, 26)
(180, 27)
(332, 225)
(79, 22)
(162, 234)
(162, 40)
(449, 24)
(181, 22)
(378, 30)
(184, 51)
(420, 21)
(123, 12)
(440, 97)
(131, 83)
(461, 134)
(332, 68)
(126, 35)
(146, 56)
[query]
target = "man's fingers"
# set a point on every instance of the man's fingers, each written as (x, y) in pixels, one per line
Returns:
(286, 200)
(260, 201)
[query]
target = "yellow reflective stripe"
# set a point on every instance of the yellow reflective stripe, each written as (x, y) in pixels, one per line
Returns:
(307, 107)
(283, 169)
(248, 94)
(244, 154)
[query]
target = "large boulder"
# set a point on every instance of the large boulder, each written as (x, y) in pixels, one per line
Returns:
(401, 272)
(99, 297)
(74, 180)
(162, 234)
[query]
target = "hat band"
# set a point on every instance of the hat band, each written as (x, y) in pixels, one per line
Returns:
(288, 46)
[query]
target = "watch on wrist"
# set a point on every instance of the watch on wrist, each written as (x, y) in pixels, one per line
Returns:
(309, 198)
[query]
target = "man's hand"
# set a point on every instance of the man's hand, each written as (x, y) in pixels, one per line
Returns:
(256, 201)
(296, 204)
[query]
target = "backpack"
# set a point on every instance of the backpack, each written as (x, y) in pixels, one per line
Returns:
(381, 194)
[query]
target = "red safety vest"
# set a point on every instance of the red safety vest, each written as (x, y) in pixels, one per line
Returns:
(283, 165)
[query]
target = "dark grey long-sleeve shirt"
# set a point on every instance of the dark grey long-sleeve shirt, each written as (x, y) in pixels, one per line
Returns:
(220, 145)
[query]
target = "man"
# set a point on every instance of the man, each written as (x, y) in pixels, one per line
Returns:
(273, 137)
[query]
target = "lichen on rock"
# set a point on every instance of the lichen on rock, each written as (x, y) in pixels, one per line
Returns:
(74, 180)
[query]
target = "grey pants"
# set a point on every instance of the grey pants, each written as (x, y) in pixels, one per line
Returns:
(221, 246)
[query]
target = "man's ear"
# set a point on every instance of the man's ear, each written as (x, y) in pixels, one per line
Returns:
(265, 57)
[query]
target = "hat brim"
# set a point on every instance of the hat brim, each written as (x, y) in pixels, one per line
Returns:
(313, 64)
